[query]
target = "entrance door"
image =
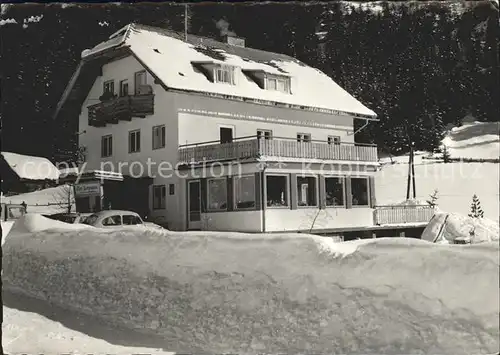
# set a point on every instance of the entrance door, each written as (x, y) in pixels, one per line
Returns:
(226, 135)
(194, 204)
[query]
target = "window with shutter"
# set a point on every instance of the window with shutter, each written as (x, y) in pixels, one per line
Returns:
(134, 141)
(106, 146)
(124, 88)
(159, 137)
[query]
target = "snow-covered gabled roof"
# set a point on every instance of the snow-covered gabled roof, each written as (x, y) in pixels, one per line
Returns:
(30, 167)
(172, 61)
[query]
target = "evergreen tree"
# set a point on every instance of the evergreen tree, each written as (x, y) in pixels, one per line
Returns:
(475, 209)
(433, 198)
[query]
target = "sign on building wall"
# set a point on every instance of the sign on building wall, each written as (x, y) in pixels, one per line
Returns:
(88, 189)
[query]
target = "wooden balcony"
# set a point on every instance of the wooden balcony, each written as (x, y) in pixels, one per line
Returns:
(252, 147)
(120, 109)
(402, 214)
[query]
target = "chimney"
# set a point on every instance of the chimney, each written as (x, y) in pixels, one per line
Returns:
(235, 41)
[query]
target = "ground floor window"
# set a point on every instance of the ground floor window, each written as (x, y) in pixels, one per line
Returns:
(217, 194)
(277, 190)
(244, 192)
(359, 191)
(306, 191)
(159, 197)
(334, 191)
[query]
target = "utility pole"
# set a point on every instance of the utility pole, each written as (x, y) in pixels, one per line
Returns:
(411, 173)
(408, 182)
(413, 169)
(185, 22)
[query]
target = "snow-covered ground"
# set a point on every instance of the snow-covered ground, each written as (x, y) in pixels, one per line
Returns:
(245, 294)
(31, 327)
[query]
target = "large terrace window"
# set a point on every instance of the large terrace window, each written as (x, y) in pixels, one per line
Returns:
(306, 191)
(277, 190)
(217, 194)
(359, 191)
(244, 192)
(334, 191)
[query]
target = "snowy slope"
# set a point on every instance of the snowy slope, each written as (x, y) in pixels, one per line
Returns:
(30, 167)
(478, 140)
(247, 294)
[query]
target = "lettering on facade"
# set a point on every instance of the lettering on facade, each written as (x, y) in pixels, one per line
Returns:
(88, 189)
(263, 119)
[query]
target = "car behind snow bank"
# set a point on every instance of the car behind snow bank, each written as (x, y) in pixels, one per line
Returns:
(239, 293)
(454, 228)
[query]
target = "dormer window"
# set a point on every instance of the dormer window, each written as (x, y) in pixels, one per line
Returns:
(224, 74)
(216, 72)
(278, 83)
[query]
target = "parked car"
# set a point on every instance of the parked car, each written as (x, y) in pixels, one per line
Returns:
(117, 218)
(71, 218)
(12, 212)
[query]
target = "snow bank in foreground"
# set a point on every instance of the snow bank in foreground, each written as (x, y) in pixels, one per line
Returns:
(31, 222)
(6, 227)
(454, 227)
(219, 292)
(21, 335)
(34, 223)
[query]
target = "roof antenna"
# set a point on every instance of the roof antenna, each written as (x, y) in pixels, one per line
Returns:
(185, 22)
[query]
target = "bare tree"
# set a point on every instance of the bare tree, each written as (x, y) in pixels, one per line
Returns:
(64, 197)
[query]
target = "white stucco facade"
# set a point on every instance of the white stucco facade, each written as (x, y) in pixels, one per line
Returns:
(193, 118)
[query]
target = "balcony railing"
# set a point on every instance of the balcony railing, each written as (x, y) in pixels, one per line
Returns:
(252, 147)
(402, 214)
(120, 109)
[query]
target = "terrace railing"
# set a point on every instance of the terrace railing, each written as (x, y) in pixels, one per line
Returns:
(252, 147)
(402, 214)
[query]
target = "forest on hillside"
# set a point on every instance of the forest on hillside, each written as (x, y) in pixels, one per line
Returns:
(419, 65)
